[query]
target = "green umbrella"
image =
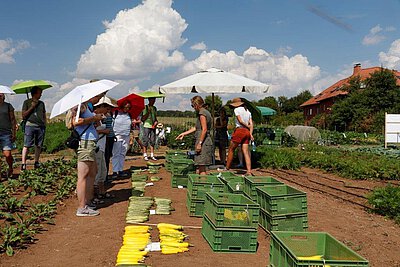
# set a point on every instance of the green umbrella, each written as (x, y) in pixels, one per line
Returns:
(266, 111)
(151, 94)
(26, 87)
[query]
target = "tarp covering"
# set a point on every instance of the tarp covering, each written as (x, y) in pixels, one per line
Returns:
(303, 133)
(266, 111)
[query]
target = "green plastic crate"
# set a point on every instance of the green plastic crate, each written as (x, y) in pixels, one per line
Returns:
(234, 184)
(195, 206)
(288, 222)
(231, 210)
(199, 185)
(281, 199)
(289, 248)
(251, 182)
(182, 166)
(179, 180)
(234, 240)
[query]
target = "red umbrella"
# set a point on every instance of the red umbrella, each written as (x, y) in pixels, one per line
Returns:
(137, 104)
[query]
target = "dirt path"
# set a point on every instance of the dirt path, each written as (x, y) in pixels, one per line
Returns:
(95, 241)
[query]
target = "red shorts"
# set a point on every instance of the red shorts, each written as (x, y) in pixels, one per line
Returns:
(241, 136)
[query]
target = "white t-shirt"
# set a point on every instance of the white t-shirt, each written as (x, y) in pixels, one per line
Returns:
(122, 124)
(244, 114)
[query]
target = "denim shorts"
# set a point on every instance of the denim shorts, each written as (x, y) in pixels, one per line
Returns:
(5, 142)
(34, 135)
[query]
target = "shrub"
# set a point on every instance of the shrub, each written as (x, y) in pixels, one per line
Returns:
(385, 201)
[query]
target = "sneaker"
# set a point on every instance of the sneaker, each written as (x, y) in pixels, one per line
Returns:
(146, 158)
(153, 158)
(91, 205)
(86, 212)
(36, 165)
(23, 167)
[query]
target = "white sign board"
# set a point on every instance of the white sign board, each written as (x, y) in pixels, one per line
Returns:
(392, 128)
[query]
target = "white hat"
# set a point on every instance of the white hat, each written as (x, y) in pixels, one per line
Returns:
(105, 100)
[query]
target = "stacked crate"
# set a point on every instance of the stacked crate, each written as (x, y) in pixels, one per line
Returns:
(170, 154)
(197, 187)
(180, 169)
(251, 182)
(298, 249)
(283, 208)
(233, 183)
(230, 222)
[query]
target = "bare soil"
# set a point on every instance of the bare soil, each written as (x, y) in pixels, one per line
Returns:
(77, 241)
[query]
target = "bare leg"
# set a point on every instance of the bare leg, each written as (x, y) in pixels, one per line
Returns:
(9, 160)
(90, 180)
(231, 151)
(202, 169)
(247, 159)
(38, 150)
(24, 154)
(83, 173)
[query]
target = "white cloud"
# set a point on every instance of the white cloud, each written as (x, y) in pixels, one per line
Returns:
(138, 42)
(373, 37)
(391, 59)
(8, 48)
(287, 75)
(376, 35)
(199, 46)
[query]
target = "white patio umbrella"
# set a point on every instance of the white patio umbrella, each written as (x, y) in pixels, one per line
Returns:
(6, 90)
(81, 94)
(214, 81)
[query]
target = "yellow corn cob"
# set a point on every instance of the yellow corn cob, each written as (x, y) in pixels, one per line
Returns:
(170, 226)
(175, 244)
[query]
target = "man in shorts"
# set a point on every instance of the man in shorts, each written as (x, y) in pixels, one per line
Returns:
(34, 113)
(149, 119)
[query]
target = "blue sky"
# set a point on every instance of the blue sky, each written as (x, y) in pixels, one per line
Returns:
(289, 44)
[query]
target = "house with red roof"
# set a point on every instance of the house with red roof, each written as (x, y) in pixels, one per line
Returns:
(322, 102)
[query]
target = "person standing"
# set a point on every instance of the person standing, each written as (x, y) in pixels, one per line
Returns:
(221, 134)
(8, 128)
(34, 113)
(149, 119)
(203, 145)
(122, 129)
(136, 124)
(86, 152)
(110, 137)
(243, 133)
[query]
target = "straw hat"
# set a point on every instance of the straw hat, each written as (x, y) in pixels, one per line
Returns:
(236, 102)
(160, 125)
(105, 100)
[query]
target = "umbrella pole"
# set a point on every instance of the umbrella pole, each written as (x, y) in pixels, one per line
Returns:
(213, 125)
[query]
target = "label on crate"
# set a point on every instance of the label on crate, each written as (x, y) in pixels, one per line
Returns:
(180, 186)
(152, 212)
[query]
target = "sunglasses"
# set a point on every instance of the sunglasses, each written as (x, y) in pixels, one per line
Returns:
(192, 105)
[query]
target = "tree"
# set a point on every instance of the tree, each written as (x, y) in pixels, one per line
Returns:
(217, 103)
(367, 101)
(269, 101)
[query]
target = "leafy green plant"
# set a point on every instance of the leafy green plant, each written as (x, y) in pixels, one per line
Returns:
(385, 201)
(12, 204)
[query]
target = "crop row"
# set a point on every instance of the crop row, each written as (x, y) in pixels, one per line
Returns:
(22, 215)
